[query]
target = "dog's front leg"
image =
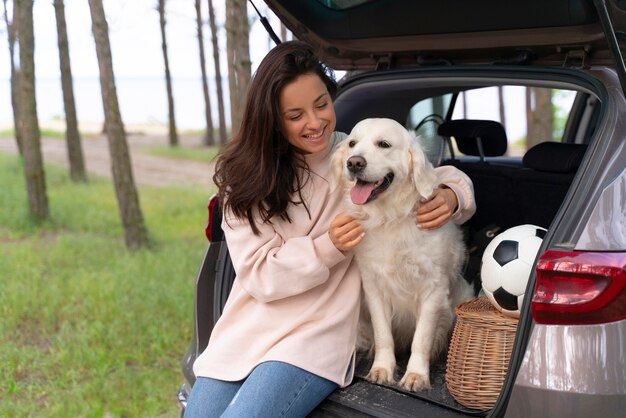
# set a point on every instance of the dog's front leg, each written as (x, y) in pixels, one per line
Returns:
(384, 357)
(417, 372)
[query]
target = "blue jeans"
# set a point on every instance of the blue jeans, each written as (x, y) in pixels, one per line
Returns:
(273, 389)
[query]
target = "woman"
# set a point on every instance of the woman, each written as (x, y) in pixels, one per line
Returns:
(286, 337)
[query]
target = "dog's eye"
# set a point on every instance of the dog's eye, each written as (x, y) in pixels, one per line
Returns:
(352, 143)
(383, 144)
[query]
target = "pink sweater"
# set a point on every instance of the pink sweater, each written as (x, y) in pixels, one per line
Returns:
(296, 297)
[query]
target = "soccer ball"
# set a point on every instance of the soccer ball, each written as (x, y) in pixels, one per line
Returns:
(506, 266)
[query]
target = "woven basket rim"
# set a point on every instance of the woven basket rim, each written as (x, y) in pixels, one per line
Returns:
(483, 310)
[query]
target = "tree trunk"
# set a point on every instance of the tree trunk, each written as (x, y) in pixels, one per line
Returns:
(135, 232)
(72, 136)
(209, 138)
(464, 95)
(540, 123)
(242, 55)
(238, 53)
(218, 74)
(231, 42)
(168, 78)
(11, 31)
(501, 106)
(529, 111)
(29, 124)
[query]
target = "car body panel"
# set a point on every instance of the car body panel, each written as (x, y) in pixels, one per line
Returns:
(556, 359)
(606, 228)
(572, 371)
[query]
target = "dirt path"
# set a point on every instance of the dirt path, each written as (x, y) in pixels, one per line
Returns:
(147, 169)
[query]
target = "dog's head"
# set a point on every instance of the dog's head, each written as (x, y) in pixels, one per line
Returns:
(380, 158)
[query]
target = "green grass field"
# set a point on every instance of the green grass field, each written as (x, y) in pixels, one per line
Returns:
(89, 329)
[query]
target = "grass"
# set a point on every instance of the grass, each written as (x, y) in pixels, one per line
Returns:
(205, 154)
(89, 329)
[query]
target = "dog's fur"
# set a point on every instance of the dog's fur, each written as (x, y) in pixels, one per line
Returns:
(411, 277)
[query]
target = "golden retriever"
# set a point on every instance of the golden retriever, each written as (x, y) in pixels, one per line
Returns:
(411, 277)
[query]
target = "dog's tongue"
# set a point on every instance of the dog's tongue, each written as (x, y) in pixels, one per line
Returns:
(361, 192)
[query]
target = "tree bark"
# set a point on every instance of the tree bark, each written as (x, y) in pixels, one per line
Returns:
(242, 56)
(31, 136)
(540, 122)
(135, 232)
(529, 111)
(501, 107)
(231, 42)
(72, 136)
(11, 31)
(168, 79)
(464, 95)
(218, 75)
(209, 138)
(238, 53)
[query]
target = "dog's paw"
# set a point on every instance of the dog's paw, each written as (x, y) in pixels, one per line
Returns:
(380, 375)
(414, 382)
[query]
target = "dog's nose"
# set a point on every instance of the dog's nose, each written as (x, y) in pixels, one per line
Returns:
(356, 163)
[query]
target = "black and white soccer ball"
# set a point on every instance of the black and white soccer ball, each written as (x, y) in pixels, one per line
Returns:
(506, 266)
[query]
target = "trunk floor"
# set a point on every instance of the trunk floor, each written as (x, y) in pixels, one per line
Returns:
(439, 391)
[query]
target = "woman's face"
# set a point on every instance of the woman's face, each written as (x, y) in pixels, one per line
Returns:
(307, 113)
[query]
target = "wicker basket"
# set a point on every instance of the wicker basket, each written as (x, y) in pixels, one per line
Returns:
(478, 357)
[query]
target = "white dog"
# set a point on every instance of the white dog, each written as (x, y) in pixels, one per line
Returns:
(411, 277)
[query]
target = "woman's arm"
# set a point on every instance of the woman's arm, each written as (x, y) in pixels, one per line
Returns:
(270, 267)
(454, 199)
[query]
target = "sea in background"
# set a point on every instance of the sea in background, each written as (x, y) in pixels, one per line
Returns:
(143, 101)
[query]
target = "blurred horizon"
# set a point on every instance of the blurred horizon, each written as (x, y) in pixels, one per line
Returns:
(143, 101)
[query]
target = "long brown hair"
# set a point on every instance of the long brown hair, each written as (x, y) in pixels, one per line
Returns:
(259, 172)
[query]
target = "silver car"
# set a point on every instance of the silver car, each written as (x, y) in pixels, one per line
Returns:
(441, 68)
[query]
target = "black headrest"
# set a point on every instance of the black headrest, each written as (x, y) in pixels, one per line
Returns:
(554, 157)
(465, 132)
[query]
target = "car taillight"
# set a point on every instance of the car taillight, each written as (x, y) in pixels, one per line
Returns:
(579, 287)
(209, 226)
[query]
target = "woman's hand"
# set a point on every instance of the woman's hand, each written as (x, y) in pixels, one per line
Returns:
(435, 212)
(346, 232)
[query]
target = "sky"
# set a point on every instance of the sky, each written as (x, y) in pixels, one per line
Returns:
(135, 38)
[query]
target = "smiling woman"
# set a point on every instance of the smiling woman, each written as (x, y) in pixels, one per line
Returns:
(297, 289)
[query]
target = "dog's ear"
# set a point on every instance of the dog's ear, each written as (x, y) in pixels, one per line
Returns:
(336, 163)
(422, 171)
